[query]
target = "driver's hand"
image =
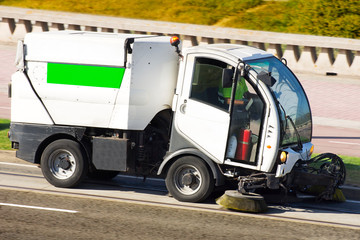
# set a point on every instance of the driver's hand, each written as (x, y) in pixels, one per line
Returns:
(236, 102)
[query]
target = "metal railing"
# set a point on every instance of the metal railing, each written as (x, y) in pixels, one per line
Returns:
(304, 53)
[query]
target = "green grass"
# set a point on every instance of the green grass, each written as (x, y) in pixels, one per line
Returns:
(5, 143)
(352, 166)
(316, 17)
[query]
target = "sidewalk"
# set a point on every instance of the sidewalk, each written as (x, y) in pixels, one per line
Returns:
(7, 67)
(350, 192)
(334, 100)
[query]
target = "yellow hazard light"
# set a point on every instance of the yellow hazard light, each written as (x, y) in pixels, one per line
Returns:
(283, 157)
(311, 150)
(174, 41)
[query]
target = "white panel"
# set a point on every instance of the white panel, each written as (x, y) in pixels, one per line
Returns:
(77, 47)
(270, 146)
(153, 79)
(25, 106)
(79, 113)
(205, 126)
(120, 115)
(147, 88)
(271, 131)
(70, 104)
(37, 72)
(293, 157)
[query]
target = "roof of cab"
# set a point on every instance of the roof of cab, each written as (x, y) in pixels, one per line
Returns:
(242, 52)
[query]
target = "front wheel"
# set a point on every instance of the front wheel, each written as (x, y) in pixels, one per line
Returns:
(189, 180)
(63, 163)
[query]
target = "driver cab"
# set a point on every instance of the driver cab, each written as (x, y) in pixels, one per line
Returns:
(225, 126)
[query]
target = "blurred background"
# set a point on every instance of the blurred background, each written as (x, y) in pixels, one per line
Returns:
(316, 17)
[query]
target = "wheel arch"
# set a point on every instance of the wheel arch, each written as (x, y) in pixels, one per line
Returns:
(172, 157)
(58, 136)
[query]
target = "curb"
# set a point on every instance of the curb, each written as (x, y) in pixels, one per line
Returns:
(351, 192)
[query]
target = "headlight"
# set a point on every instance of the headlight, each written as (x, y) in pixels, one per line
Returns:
(283, 157)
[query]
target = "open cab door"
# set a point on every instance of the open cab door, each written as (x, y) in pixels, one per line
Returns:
(204, 115)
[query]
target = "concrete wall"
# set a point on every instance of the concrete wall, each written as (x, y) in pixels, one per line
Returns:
(304, 53)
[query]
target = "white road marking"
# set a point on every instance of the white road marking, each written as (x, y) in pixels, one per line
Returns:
(40, 208)
(348, 143)
(19, 164)
(353, 201)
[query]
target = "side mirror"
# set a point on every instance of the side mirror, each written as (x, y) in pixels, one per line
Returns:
(266, 78)
(284, 61)
(227, 76)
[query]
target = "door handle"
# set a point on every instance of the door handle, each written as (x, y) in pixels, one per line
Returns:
(183, 108)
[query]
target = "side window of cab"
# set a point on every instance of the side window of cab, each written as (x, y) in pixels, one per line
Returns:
(207, 81)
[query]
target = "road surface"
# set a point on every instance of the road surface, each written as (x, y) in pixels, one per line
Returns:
(128, 208)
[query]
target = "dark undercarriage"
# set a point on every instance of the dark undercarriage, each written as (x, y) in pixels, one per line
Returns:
(320, 176)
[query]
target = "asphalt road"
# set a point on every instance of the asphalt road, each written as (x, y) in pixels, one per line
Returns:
(105, 219)
(128, 208)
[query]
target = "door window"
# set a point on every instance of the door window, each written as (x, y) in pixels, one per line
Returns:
(207, 81)
(245, 126)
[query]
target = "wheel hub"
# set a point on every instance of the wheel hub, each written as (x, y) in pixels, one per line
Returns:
(188, 179)
(64, 163)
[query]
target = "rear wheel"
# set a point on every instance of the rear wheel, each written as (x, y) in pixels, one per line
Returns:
(63, 163)
(189, 180)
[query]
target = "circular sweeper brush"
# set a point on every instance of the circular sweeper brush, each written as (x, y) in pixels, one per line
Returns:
(249, 202)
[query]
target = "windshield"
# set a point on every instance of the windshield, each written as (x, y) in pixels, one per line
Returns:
(291, 98)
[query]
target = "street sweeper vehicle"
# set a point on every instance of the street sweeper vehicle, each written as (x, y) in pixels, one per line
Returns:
(96, 104)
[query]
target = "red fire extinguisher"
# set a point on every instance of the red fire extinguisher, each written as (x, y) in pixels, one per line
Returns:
(244, 145)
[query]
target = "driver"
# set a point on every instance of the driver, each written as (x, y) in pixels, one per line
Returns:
(241, 93)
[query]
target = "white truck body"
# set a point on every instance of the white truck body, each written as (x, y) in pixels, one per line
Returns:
(105, 102)
(82, 79)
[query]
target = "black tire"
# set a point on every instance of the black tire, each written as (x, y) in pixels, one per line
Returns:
(63, 163)
(102, 174)
(189, 179)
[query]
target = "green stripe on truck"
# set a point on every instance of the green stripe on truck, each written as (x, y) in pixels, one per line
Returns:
(85, 75)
